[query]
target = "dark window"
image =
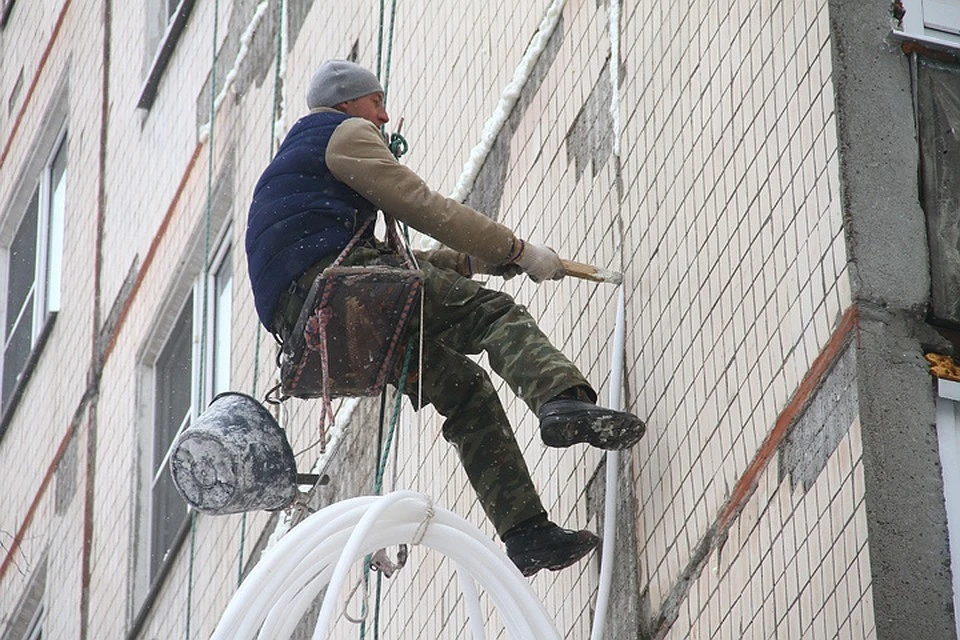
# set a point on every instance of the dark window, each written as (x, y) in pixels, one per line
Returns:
(172, 410)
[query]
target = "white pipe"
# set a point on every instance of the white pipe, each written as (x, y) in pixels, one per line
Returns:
(360, 532)
(471, 602)
(618, 346)
(612, 472)
(280, 588)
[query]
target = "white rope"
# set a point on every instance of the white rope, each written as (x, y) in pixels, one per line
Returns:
(421, 531)
(363, 604)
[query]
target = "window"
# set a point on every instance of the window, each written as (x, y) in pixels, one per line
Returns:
(172, 410)
(938, 116)
(6, 6)
(948, 434)
(184, 365)
(166, 21)
(33, 272)
(219, 335)
(26, 620)
(934, 21)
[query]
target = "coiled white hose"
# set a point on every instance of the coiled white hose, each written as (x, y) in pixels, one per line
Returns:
(321, 549)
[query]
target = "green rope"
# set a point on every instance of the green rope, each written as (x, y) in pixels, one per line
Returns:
(378, 484)
(378, 488)
(201, 381)
(386, 72)
(259, 331)
(193, 555)
(380, 41)
(398, 147)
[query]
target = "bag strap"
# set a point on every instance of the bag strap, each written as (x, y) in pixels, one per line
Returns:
(393, 240)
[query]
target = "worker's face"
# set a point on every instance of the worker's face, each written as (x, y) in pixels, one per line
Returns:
(369, 107)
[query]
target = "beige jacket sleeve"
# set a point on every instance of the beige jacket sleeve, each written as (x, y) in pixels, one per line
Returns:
(358, 156)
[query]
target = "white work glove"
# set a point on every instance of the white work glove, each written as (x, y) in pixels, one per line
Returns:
(540, 263)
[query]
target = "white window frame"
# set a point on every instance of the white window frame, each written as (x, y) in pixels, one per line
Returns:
(219, 333)
(193, 285)
(948, 436)
(48, 257)
(161, 50)
(936, 22)
(147, 577)
(158, 461)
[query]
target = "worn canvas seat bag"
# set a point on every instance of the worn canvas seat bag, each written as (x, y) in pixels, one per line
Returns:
(346, 340)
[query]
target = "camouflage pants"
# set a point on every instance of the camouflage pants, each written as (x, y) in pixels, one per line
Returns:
(462, 318)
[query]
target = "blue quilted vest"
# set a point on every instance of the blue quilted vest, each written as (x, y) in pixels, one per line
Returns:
(300, 212)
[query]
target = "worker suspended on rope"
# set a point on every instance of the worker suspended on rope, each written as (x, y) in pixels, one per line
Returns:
(331, 174)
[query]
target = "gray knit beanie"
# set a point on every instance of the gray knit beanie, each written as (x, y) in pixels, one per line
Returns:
(337, 81)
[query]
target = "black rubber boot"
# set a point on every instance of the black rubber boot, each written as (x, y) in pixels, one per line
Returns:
(548, 547)
(564, 422)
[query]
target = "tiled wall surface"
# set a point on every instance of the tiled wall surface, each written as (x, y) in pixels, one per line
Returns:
(795, 565)
(721, 209)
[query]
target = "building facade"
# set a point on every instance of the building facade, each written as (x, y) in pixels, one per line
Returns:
(775, 179)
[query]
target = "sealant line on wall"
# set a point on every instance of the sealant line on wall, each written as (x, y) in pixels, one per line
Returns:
(508, 100)
(89, 501)
(614, 24)
(245, 38)
(334, 438)
(280, 79)
(715, 537)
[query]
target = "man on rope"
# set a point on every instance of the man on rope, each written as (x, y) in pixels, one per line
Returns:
(331, 175)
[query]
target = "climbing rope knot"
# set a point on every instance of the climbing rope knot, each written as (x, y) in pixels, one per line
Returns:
(428, 516)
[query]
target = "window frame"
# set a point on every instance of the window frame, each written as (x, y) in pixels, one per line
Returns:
(37, 190)
(158, 468)
(948, 438)
(915, 25)
(176, 25)
(221, 257)
(193, 283)
(147, 579)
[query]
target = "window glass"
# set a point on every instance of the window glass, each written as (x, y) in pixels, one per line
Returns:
(222, 314)
(58, 191)
(21, 277)
(34, 256)
(172, 412)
